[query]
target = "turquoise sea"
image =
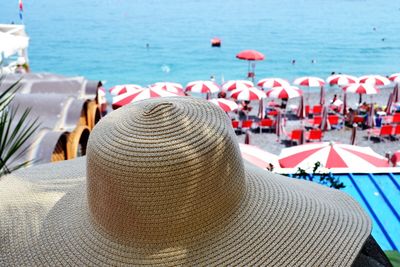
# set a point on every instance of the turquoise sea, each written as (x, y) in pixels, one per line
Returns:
(106, 39)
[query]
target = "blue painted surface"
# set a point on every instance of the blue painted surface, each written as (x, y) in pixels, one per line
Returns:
(379, 195)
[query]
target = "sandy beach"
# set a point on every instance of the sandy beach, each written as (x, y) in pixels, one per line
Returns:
(269, 142)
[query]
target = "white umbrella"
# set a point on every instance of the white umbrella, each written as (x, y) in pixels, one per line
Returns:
(203, 87)
(145, 93)
(395, 77)
(236, 84)
(309, 81)
(258, 156)
(176, 88)
(341, 79)
(248, 94)
(331, 155)
(124, 88)
(269, 83)
(284, 92)
(226, 104)
(376, 80)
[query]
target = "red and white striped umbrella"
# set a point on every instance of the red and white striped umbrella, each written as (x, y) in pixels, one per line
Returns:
(236, 84)
(341, 79)
(285, 92)
(395, 77)
(176, 88)
(269, 83)
(362, 89)
(122, 89)
(226, 104)
(101, 91)
(331, 155)
(248, 94)
(309, 81)
(376, 80)
(258, 157)
(145, 93)
(203, 87)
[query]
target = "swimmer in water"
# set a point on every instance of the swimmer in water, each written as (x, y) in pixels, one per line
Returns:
(294, 61)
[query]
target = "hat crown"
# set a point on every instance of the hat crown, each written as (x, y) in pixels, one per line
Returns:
(163, 167)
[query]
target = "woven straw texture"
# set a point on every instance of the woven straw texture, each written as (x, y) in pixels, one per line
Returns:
(164, 184)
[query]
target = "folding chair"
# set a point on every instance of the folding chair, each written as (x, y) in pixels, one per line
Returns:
(246, 125)
(314, 135)
(380, 133)
(266, 124)
(295, 135)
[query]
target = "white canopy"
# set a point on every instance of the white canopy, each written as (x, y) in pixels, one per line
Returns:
(12, 44)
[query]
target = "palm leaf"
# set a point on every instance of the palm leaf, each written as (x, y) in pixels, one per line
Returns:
(15, 131)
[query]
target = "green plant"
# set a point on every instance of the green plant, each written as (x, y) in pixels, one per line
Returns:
(325, 178)
(15, 130)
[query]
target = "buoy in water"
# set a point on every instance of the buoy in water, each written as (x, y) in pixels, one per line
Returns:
(215, 42)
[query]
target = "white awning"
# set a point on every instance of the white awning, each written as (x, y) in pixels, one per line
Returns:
(11, 44)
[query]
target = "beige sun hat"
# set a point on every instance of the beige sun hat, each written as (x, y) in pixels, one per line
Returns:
(164, 184)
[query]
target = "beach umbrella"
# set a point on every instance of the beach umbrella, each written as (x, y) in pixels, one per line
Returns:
(250, 56)
(284, 92)
(261, 110)
(247, 138)
(248, 94)
(309, 81)
(353, 134)
(258, 156)
(269, 83)
(144, 93)
(395, 159)
(396, 93)
(361, 89)
(226, 104)
(376, 80)
(331, 155)
(122, 89)
(176, 88)
(389, 104)
(279, 125)
(371, 116)
(341, 79)
(325, 125)
(322, 96)
(236, 84)
(204, 87)
(395, 77)
(301, 110)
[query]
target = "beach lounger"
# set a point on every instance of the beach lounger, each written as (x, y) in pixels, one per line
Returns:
(313, 135)
(315, 122)
(266, 124)
(235, 125)
(396, 131)
(380, 133)
(295, 135)
(317, 110)
(246, 125)
(396, 118)
(334, 120)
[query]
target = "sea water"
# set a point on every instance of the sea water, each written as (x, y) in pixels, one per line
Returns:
(131, 41)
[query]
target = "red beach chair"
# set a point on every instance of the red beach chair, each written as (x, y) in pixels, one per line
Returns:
(235, 125)
(333, 120)
(317, 110)
(314, 135)
(384, 131)
(396, 118)
(396, 131)
(295, 135)
(246, 125)
(266, 124)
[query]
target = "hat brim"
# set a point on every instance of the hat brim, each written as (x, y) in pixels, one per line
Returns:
(281, 221)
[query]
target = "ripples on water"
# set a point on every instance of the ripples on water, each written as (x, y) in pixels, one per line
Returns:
(106, 39)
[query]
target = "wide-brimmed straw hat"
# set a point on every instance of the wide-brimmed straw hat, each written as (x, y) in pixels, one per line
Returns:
(164, 184)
